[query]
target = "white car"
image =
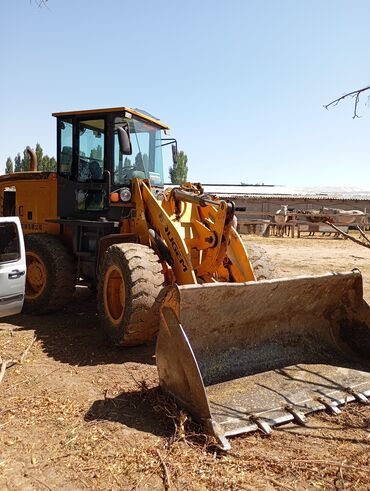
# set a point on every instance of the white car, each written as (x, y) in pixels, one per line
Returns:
(12, 266)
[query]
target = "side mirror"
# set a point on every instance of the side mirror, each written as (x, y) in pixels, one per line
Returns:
(174, 153)
(124, 140)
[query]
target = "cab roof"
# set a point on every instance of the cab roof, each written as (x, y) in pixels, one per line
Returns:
(134, 112)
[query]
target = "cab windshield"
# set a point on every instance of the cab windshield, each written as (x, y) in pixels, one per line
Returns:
(146, 159)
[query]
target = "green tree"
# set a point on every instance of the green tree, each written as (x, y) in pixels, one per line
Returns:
(25, 161)
(127, 166)
(179, 170)
(18, 163)
(47, 164)
(97, 153)
(9, 167)
(44, 162)
(139, 164)
(52, 165)
(125, 170)
(40, 155)
(146, 161)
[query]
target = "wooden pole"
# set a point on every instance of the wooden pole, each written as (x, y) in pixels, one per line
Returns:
(347, 236)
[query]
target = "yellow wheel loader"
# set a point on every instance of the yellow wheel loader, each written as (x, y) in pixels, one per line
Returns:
(237, 353)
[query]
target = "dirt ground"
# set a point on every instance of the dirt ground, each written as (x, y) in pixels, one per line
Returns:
(78, 414)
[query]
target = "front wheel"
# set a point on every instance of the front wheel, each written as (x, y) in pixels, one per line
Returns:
(50, 281)
(130, 292)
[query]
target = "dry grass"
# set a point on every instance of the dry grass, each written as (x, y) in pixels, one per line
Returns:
(51, 441)
(77, 415)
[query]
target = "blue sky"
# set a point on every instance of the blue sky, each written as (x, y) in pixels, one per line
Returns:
(241, 83)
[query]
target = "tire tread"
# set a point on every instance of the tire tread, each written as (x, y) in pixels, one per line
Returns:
(263, 267)
(61, 273)
(145, 288)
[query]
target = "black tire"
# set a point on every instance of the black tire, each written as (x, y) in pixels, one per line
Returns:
(262, 265)
(47, 255)
(130, 292)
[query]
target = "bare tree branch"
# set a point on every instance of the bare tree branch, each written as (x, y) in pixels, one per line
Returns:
(354, 95)
(364, 236)
(347, 236)
(40, 3)
(4, 364)
(166, 477)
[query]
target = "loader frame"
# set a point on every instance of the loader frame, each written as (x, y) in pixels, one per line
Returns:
(171, 260)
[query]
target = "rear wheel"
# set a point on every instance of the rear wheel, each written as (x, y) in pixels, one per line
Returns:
(50, 281)
(130, 292)
(262, 265)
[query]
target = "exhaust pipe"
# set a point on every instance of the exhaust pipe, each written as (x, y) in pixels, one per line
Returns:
(32, 155)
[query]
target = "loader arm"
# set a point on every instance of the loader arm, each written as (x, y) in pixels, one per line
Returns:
(161, 223)
(193, 234)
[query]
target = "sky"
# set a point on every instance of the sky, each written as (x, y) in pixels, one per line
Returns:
(241, 83)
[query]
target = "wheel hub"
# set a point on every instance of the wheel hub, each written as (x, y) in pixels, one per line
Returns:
(114, 294)
(36, 275)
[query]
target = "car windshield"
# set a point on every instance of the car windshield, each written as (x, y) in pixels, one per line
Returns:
(146, 159)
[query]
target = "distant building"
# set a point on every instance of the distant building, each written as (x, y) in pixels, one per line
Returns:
(268, 199)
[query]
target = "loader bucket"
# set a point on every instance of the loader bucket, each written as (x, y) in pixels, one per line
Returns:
(246, 356)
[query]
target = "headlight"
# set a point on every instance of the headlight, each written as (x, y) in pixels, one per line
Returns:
(125, 194)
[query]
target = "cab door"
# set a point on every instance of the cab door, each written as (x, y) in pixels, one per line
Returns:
(12, 266)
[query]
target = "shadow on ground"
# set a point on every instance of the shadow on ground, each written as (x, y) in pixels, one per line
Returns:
(144, 410)
(74, 336)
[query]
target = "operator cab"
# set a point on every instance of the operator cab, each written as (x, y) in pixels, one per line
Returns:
(100, 151)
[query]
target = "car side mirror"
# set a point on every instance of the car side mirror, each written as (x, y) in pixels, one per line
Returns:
(124, 140)
(174, 153)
